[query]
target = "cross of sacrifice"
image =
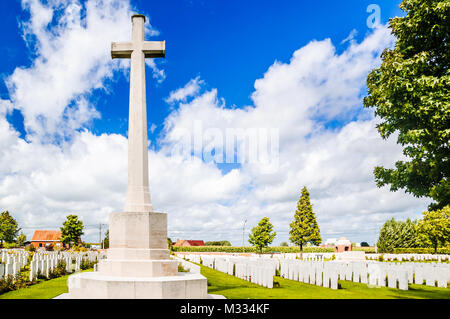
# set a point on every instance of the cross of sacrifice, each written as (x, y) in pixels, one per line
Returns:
(138, 192)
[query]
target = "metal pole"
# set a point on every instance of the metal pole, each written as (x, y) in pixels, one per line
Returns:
(243, 237)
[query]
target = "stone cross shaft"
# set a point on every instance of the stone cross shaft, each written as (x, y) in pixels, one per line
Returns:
(138, 193)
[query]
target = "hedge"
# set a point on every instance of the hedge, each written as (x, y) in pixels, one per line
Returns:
(441, 251)
(280, 249)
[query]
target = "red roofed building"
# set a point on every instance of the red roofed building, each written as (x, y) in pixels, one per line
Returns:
(186, 243)
(44, 238)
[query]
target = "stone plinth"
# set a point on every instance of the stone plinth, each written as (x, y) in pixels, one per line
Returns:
(138, 246)
(94, 285)
(138, 264)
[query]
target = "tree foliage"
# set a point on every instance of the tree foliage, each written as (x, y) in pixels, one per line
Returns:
(8, 228)
(106, 240)
(218, 243)
(304, 227)
(72, 230)
(411, 94)
(434, 227)
(398, 234)
(21, 239)
(364, 244)
(262, 235)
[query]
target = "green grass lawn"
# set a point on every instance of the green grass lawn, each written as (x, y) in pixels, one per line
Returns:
(44, 290)
(235, 288)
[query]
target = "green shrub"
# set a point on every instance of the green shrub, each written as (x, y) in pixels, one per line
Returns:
(442, 250)
(10, 283)
(86, 264)
(7, 284)
(30, 248)
(181, 268)
(59, 271)
(218, 243)
(235, 249)
(10, 245)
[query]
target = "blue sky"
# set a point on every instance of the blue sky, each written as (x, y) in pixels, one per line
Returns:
(227, 43)
(298, 67)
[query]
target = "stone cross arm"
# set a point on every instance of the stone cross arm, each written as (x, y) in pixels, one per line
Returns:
(151, 49)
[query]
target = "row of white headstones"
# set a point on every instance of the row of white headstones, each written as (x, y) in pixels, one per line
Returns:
(409, 257)
(43, 263)
(387, 257)
(249, 269)
(380, 274)
(316, 271)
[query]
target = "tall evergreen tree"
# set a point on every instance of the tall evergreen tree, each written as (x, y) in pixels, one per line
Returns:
(262, 235)
(304, 227)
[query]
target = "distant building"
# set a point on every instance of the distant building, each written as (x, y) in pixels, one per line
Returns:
(187, 243)
(329, 242)
(45, 238)
(343, 244)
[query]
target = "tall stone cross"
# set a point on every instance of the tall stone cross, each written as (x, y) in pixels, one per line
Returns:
(138, 263)
(138, 192)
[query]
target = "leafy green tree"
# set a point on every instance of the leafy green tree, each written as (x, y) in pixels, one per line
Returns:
(434, 227)
(72, 230)
(8, 228)
(169, 244)
(284, 244)
(21, 239)
(304, 227)
(262, 235)
(411, 94)
(364, 244)
(106, 240)
(398, 234)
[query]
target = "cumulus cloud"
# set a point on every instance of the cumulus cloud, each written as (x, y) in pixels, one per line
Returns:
(190, 89)
(42, 182)
(71, 43)
(301, 98)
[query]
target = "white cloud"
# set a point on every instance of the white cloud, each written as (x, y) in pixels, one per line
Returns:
(72, 60)
(299, 98)
(40, 183)
(192, 88)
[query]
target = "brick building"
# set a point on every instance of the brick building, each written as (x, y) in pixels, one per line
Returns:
(187, 243)
(45, 238)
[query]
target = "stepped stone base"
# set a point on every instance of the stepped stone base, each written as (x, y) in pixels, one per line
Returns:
(138, 268)
(138, 264)
(93, 285)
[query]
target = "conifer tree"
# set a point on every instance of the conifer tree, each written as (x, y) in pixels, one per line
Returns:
(304, 227)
